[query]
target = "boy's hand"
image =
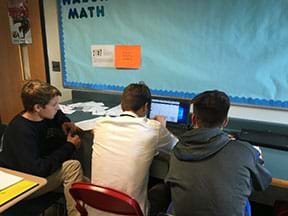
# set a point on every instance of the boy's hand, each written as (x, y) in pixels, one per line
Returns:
(69, 127)
(161, 119)
(74, 139)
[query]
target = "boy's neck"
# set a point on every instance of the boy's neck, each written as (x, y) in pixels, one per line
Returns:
(32, 116)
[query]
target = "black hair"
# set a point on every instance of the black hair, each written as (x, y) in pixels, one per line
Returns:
(211, 108)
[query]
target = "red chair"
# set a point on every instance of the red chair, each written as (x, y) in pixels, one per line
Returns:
(103, 198)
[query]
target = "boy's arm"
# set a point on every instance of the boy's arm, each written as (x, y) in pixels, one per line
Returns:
(261, 177)
(27, 145)
(60, 118)
(166, 141)
(65, 123)
(59, 127)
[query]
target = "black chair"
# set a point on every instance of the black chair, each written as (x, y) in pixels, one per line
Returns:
(2, 128)
(164, 214)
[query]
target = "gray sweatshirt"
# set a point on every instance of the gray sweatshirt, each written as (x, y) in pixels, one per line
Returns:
(210, 174)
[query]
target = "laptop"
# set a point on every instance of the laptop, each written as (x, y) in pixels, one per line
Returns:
(176, 111)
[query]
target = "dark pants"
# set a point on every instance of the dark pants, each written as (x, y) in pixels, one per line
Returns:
(159, 197)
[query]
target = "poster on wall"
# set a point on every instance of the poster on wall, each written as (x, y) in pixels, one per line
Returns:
(116, 56)
(102, 55)
(19, 22)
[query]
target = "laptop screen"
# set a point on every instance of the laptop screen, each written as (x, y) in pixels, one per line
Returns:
(175, 111)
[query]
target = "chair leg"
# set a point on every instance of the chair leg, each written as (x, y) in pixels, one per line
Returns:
(61, 209)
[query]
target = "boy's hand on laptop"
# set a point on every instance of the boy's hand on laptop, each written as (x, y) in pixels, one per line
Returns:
(161, 119)
(74, 139)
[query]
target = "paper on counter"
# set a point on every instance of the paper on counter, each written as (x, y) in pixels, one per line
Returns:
(87, 124)
(99, 112)
(114, 111)
(66, 109)
(91, 106)
(96, 108)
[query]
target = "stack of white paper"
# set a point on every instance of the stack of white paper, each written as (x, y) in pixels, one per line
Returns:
(8, 179)
(66, 109)
(87, 124)
(114, 111)
(96, 108)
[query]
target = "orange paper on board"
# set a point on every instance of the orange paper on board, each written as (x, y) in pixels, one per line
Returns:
(128, 56)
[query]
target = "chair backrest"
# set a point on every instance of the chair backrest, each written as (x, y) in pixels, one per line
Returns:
(103, 198)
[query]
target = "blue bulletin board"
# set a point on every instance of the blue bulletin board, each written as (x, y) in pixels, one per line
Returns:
(187, 46)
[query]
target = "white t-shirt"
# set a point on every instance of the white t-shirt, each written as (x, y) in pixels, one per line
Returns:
(123, 150)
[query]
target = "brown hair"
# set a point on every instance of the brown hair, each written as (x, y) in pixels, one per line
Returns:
(135, 96)
(37, 92)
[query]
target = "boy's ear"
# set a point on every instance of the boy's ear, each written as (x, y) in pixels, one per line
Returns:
(146, 107)
(194, 121)
(143, 110)
(225, 123)
(37, 107)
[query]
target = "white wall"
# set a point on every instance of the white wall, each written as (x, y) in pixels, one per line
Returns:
(51, 22)
(259, 114)
(252, 113)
